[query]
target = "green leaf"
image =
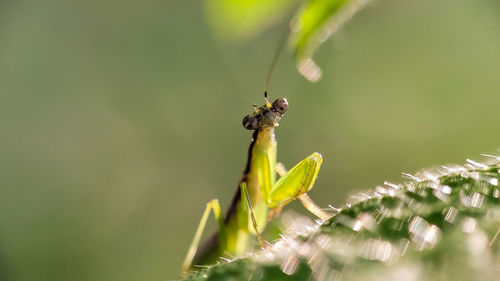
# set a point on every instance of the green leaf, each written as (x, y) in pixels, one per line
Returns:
(443, 224)
(315, 23)
(242, 19)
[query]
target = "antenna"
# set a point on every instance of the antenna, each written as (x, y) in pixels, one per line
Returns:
(273, 64)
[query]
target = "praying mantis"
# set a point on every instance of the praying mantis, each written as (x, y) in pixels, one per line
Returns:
(259, 195)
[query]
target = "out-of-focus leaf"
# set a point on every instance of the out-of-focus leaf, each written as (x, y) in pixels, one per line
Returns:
(241, 19)
(313, 24)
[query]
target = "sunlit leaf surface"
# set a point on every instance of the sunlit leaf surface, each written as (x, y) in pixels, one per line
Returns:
(442, 224)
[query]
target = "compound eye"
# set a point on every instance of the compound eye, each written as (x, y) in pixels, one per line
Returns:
(280, 105)
(250, 123)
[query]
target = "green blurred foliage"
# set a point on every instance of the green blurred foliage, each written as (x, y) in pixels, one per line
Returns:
(119, 121)
(317, 21)
(242, 19)
(311, 17)
(310, 25)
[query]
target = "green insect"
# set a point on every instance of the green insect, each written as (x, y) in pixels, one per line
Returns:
(259, 196)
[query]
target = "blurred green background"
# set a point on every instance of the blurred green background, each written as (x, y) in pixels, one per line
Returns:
(120, 120)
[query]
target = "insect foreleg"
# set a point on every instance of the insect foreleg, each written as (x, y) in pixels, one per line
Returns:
(295, 184)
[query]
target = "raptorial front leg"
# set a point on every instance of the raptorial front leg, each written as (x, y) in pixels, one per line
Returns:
(215, 207)
(276, 212)
(296, 183)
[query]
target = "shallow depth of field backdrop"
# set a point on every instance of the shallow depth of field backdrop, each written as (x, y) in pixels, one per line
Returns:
(120, 120)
